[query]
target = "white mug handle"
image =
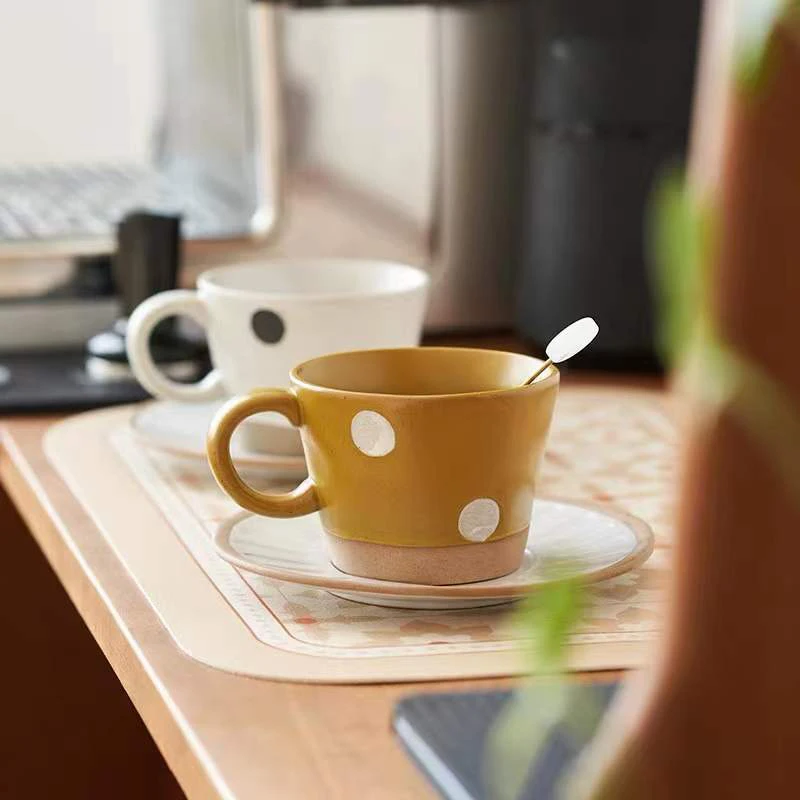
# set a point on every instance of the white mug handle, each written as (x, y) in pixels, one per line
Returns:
(140, 326)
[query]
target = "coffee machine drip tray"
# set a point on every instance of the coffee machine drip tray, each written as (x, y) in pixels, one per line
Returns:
(73, 210)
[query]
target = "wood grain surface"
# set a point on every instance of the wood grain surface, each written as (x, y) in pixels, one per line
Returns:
(69, 730)
(221, 735)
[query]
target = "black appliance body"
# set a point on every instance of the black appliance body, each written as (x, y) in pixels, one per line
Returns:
(611, 94)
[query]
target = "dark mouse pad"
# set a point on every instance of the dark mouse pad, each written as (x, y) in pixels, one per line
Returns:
(57, 380)
(446, 736)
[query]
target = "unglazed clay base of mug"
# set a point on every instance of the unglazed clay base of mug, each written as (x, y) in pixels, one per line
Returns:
(598, 544)
(433, 566)
(426, 447)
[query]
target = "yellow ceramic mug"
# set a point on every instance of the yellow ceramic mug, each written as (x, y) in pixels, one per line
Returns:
(422, 461)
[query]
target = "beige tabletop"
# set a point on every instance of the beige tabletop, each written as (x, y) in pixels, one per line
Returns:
(221, 735)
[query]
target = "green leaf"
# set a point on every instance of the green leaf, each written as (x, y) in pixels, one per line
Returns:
(516, 738)
(727, 380)
(755, 22)
(678, 237)
(548, 617)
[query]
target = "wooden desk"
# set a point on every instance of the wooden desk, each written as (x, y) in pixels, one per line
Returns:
(221, 735)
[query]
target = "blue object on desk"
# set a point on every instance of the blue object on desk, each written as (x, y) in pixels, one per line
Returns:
(446, 736)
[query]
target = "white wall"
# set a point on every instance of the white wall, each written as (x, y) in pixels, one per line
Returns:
(368, 76)
(77, 81)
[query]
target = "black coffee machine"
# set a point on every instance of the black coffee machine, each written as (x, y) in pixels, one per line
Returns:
(611, 91)
(606, 106)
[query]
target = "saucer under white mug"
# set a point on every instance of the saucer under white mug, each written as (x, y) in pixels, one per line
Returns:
(180, 429)
(597, 542)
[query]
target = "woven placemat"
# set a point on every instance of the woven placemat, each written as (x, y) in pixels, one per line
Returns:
(158, 512)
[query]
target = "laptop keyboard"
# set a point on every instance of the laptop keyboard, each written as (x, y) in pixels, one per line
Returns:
(76, 202)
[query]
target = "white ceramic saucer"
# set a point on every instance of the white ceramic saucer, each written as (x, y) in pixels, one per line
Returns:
(599, 542)
(180, 429)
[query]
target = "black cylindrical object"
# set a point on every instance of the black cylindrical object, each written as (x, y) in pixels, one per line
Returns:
(610, 105)
(148, 257)
(146, 262)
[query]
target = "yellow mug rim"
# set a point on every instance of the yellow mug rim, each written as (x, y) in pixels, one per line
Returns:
(550, 377)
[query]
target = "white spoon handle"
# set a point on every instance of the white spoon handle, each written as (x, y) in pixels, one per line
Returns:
(548, 363)
(567, 344)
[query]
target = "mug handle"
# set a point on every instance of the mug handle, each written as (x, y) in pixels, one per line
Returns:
(300, 501)
(140, 327)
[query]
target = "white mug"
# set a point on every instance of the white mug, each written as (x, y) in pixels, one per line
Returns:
(263, 318)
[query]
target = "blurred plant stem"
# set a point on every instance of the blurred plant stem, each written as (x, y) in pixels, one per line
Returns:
(710, 372)
(547, 617)
(723, 689)
(716, 377)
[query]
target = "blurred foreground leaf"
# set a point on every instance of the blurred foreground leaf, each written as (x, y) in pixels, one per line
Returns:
(548, 617)
(678, 239)
(758, 402)
(755, 22)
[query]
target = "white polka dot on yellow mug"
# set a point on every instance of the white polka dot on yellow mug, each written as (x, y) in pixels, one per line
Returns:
(479, 519)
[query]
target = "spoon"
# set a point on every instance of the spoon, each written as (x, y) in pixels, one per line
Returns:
(566, 344)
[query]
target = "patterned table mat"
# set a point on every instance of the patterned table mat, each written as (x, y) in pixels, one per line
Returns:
(607, 446)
